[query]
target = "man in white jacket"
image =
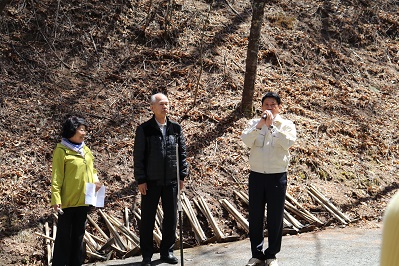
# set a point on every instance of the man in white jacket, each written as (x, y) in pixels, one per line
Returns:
(269, 139)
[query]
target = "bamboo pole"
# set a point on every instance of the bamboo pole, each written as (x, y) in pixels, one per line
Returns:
(328, 202)
(302, 214)
(54, 235)
(97, 227)
(236, 214)
(47, 231)
(305, 211)
(243, 197)
(327, 207)
(202, 205)
(127, 225)
(95, 255)
(293, 220)
(114, 233)
(192, 217)
(129, 234)
(90, 242)
(44, 236)
(98, 239)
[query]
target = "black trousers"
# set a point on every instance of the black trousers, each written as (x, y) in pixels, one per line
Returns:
(149, 204)
(69, 248)
(267, 189)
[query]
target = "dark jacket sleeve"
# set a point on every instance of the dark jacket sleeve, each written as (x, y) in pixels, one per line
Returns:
(139, 156)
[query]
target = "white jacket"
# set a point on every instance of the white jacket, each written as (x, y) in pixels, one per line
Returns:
(269, 148)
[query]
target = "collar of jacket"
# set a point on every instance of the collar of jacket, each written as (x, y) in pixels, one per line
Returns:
(168, 125)
(155, 124)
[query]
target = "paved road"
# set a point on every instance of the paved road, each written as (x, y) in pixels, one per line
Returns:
(333, 246)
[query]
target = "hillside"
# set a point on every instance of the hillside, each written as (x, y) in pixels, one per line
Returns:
(334, 63)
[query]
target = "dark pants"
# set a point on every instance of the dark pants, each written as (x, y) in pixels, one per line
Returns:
(69, 248)
(149, 204)
(267, 189)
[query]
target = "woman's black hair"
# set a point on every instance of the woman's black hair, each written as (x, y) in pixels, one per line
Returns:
(70, 126)
(272, 95)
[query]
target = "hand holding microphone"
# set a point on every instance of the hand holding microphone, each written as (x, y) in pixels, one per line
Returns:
(266, 119)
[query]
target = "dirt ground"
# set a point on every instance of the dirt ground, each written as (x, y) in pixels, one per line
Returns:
(334, 63)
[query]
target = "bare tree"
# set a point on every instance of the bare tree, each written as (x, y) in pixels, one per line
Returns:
(258, 10)
(3, 4)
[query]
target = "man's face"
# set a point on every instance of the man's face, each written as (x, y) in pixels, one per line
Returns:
(161, 106)
(271, 105)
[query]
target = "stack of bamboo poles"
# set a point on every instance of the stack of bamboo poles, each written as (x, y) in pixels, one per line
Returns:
(291, 224)
(323, 201)
(123, 242)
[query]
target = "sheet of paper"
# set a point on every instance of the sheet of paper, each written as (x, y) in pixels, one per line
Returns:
(95, 198)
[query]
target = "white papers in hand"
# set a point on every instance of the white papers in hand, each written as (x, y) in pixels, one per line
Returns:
(95, 198)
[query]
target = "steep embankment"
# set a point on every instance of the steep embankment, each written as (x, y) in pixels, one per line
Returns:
(335, 64)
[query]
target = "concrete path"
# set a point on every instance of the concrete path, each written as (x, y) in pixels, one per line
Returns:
(330, 247)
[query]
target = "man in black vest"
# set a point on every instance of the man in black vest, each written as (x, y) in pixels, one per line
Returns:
(155, 170)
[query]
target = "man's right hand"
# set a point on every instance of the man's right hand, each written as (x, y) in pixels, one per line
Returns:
(143, 188)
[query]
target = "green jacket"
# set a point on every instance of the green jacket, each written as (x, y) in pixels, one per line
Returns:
(70, 173)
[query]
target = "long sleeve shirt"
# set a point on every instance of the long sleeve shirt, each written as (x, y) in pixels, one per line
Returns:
(70, 173)
(269, 147)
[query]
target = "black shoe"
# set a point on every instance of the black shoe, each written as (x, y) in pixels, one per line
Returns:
(146, 262)
(170, 259)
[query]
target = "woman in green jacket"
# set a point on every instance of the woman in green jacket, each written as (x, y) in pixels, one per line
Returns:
(72, 168)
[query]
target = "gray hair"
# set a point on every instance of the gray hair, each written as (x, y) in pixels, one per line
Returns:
(154, 96)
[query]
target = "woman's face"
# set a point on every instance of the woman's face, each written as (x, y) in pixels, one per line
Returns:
(79, 135)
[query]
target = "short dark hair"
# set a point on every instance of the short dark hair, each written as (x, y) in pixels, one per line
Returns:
(273, 95)
(70, 126)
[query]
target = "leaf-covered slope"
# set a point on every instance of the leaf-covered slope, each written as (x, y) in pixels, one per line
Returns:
(335, 64)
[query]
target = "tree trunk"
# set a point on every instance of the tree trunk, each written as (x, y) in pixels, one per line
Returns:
(3, 4)
(258, 9)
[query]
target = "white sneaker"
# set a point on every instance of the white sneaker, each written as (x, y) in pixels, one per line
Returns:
(255, 262)
(271, 262)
